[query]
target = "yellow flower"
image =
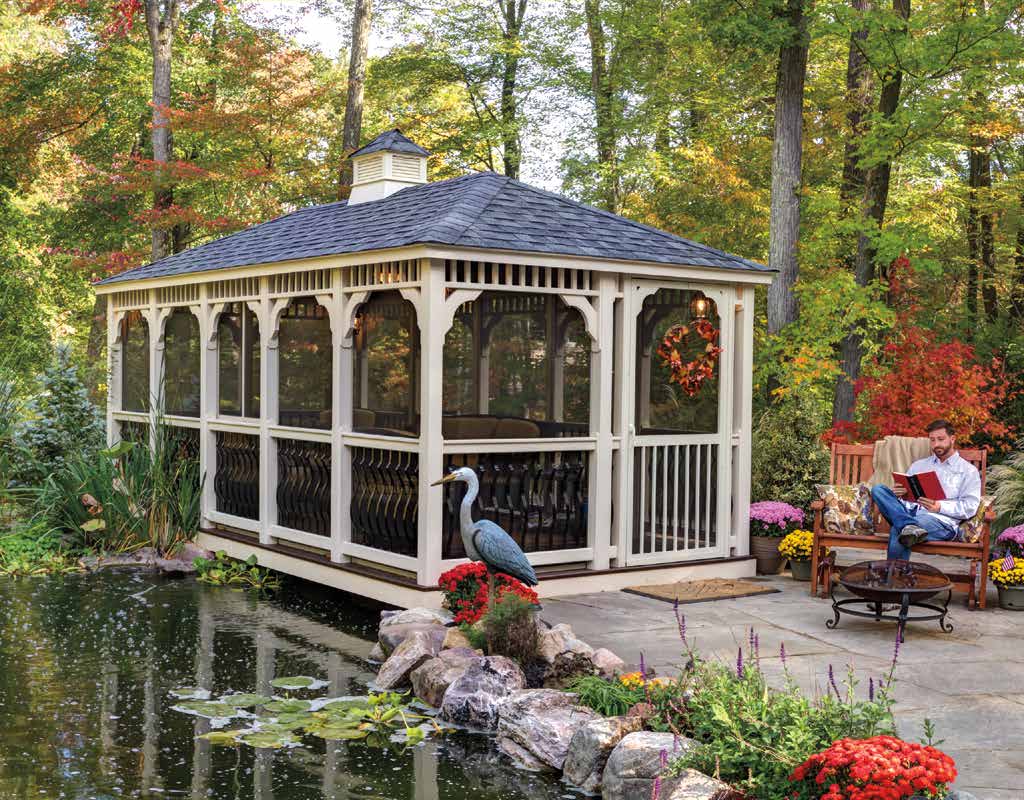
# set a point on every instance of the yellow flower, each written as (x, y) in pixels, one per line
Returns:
(797, 545)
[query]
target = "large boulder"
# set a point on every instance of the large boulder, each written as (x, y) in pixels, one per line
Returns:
(535, 726)
(416, 616)
(693, 785)
(607, 663)
(474, 697)
(431, 679)
(590, 747)
(567, 668)
(390, 636)
(411, 653)
(636, 761)
(455, 638)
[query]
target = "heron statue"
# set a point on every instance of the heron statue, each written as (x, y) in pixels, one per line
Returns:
(485, 541)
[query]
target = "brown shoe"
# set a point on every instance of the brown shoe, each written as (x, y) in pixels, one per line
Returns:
(912, 534)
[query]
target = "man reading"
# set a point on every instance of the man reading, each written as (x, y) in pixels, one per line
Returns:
(926, 519)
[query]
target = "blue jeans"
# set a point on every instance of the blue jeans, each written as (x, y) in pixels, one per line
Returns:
(899, 517)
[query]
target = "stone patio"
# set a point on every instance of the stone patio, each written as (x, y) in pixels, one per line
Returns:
(966, 682)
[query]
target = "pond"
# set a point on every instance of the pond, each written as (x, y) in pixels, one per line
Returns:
(88, 663)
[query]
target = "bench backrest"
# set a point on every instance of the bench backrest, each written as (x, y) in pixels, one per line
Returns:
(851, 463)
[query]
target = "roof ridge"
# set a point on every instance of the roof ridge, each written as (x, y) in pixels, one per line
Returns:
(649, 228)
(502, 181)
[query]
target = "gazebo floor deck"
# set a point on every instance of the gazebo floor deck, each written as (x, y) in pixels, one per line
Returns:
(401, 589)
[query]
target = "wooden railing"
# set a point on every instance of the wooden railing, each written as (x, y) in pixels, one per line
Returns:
(304, 486)
(237, 480)
(540, 499)
(385, 499)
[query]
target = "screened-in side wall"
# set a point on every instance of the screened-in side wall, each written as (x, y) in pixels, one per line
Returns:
(238, 359)
(385, 367)
(304, 365)
(516, 366)
(181, 364)
(134, 362)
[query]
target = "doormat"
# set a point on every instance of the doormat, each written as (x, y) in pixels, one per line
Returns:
(701, 591)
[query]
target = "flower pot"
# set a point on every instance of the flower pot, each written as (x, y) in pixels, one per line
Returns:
(801, 570)
(765, 549)
(1011, 597)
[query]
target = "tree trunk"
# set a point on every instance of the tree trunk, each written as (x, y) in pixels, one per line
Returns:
(600, 85)
(352, 130)
(513, 12)
(858, 99)
(784, 223)
(875, 198)
(986, 237)
(1017, 306)
(161, 21)
(971, 299)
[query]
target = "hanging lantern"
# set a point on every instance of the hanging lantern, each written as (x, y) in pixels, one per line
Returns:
(699, 306)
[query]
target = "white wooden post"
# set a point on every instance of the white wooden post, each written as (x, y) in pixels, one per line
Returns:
(341, 402)
(209, 377)
(114, 375)
(602, 387)
(155, 319)
(431, 316)
(626, 370)
(743, 364)
(726, 301)
(268, 412)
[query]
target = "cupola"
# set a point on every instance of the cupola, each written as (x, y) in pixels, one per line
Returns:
(390, 162)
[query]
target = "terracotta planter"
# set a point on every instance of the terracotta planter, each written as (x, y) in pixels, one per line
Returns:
(1011, 597)
(765, 549)
(801, 570)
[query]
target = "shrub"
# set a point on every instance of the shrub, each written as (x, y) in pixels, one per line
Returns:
(1008, 482)
(465, 590)
(511, 629)
(61, 423)
(663, 699)
(788, 455)
(34, 549)
(879, 767)
(773, 518)
(126, 497)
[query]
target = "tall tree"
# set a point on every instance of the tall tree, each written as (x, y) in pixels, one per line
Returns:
(513, 13)
(352, 131)
(604, 103)
(784, 226)
(161, 23)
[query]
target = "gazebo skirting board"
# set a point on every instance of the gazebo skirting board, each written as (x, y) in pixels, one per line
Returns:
(322, 398)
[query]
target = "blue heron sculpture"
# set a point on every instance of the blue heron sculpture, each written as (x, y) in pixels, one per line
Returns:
(485, 541)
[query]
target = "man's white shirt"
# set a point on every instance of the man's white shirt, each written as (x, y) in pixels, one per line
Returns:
(961, 483)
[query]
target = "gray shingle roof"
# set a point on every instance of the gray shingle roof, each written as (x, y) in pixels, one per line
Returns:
(481, 210)
(394, 141)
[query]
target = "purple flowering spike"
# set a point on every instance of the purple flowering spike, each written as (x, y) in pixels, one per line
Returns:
(643, 668)
(739, 663)
(663, 758)
(757, 649)
(896, 646)
(675, 743)
(656, 789)
(871, 690)
(832, 682)
(680, 620)
(782, 653)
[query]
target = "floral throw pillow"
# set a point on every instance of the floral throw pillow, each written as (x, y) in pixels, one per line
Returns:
(971, 529)
(847, 508)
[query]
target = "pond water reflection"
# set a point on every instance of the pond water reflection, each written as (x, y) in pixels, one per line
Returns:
(86, 668)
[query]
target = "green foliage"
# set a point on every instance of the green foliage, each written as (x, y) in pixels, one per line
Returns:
(476, 635)
(126, 497)
(510, 629)
(224, 571)
(610, 698)
(61, 423)
(788, 456)
(1007, 482)
(34, 549)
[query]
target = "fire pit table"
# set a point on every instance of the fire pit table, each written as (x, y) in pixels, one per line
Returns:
(907, 584)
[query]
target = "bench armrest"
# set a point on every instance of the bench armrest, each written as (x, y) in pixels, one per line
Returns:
(817, 505)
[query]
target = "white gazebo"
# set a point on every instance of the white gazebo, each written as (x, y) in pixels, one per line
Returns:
(327, 366)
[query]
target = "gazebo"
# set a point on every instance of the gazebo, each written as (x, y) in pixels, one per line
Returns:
(327, 366)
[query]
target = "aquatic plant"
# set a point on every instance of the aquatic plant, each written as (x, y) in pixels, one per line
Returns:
(222, 570)
(378, 719)
(35, 549)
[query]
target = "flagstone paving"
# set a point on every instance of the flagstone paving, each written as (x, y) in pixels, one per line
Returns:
(969, 683)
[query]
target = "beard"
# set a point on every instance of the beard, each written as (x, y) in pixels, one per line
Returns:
(942, 452)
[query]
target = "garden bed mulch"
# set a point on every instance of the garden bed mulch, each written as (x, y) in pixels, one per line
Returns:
(701, 591)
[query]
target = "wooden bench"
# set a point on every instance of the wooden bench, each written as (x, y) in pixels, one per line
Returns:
(852, 464)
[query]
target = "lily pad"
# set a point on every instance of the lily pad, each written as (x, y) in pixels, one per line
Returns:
(245, 700)
(221, 737)
(289, 706)
(297, 682)
(190, 693)
(208, 708)
(338, 732)
(268, 739)
(296, 719)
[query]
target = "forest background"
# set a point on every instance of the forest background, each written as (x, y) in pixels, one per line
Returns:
(872, 152)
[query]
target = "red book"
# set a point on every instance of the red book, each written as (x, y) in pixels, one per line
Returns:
(923, 484)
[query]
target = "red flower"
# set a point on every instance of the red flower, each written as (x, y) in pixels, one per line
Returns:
(466, 591)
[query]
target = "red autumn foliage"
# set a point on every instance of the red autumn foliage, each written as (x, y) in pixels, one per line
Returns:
(915, 380)
(466, 591)
(691, 375)
(879, 768)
